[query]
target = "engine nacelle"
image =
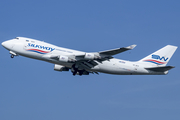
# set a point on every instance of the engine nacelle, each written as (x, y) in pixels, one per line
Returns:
(63, 58)
(89, 56)
(60, 68)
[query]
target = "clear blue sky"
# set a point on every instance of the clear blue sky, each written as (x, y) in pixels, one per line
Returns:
(32, 90)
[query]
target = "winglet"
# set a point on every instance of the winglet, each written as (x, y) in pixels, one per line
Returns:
(131, 47)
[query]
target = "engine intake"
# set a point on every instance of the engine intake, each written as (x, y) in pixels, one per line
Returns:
(89, 56)
(63, 58)
(60, 68)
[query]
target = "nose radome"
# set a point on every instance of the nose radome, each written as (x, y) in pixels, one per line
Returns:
(7, 44)
(3, 44)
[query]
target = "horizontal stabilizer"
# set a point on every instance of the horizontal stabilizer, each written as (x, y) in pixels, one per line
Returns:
(160, 69)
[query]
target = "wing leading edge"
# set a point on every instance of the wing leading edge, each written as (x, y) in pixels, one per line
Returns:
(116, 51)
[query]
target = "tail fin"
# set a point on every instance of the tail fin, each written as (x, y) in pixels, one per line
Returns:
(160, 57)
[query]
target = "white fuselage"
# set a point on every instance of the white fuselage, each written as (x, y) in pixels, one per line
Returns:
(28, 48)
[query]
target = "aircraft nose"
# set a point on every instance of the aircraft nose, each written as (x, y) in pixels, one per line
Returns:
(7, 44)
(3, 44)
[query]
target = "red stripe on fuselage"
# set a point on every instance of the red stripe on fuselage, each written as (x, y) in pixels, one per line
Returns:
(39, 50)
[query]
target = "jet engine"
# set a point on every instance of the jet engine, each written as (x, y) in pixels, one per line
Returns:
(89, 56)
(60, 68)
(63, 58)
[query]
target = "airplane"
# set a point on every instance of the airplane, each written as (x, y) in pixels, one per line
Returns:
(84, 63)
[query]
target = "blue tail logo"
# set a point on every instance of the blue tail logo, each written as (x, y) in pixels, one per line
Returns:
(159, 58)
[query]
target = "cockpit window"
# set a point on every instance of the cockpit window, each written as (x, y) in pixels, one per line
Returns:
(17, 38)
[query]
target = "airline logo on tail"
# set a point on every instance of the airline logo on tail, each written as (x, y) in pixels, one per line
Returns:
(157, 57)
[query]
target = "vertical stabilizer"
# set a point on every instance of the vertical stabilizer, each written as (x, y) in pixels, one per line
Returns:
(160, 57)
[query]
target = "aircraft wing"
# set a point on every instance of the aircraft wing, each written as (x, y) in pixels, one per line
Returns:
(116, 51)
(83, 62)
(103, 54)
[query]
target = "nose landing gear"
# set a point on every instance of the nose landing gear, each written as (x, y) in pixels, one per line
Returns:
(12, 56)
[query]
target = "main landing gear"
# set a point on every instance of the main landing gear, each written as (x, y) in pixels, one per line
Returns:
(75, 70)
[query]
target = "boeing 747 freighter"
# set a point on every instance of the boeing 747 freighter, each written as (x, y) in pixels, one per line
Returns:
(83, 63)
